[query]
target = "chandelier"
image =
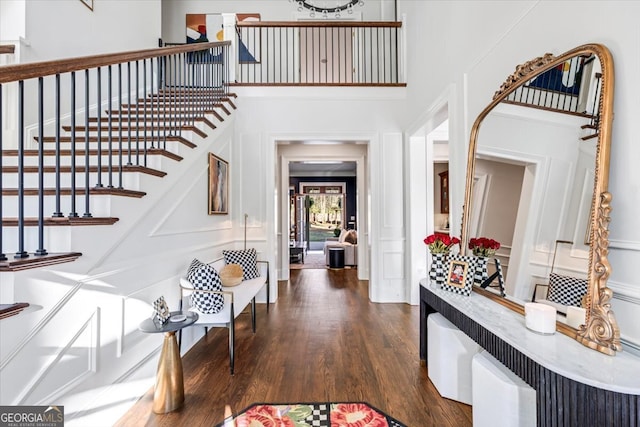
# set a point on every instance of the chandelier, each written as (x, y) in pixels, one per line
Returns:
(324, 8)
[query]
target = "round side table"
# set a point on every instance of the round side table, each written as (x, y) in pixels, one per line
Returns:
(168, 394)
(336, 257)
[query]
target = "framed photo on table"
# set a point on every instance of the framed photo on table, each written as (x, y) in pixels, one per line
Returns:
(218, 185)
(459, 274)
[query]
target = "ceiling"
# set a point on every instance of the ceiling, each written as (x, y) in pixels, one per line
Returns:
(322, 168)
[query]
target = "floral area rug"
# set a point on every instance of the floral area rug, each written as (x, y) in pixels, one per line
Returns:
(354, 414)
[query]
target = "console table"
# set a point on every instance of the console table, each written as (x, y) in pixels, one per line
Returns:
(575, 386)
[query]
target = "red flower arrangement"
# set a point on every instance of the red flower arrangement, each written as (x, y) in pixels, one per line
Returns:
(440, 243)
(483, 246)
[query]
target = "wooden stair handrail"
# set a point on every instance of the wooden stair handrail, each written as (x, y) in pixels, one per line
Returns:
(16, 72)
(7, 48)
(316, 24)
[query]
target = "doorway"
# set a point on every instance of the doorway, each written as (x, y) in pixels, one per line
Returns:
(326, 55)
(333, 176)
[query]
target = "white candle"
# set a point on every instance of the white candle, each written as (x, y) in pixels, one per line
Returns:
(540, 317)
(576, 316)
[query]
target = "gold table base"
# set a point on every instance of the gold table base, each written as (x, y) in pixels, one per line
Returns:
(169, 391)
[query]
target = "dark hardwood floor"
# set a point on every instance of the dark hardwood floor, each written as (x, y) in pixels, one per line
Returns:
(323, 340)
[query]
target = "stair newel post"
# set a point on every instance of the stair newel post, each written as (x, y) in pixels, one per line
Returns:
(120, 146)
(73, 213)
(21, 252)
(109, 129)
(3, 257)
(41, 250)
(87, 213)
(99, 98)
(128, 112)
(58, 212)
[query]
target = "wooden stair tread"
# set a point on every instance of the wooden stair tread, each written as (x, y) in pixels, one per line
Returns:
(557, 110)
(80, 152)
(119, 128)
(79, 191)
(585, 138)
(61, 222)
(115, 117)
(36, 261)
(164, 111)
(82, 169)
(105, 139)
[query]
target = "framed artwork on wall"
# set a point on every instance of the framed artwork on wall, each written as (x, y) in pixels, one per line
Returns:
(218, 185)
(249, 40)
(88, 3)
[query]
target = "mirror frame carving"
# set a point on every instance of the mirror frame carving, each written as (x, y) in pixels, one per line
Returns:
(601, 330)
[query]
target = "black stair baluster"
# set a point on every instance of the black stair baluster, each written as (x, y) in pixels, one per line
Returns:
(163, 86)
(129, 163)
(21, 253)
(174, 94)
(120, 146)
(99, 102)
(58, 212)
(144, 107)
(3, 257)
(183, 81)
(151, 85)
(137, 110)
(41, 250)
(109, 129)
(73, 213)
(87, 213)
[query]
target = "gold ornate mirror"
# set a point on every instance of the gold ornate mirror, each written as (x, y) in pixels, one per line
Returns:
(537, 182)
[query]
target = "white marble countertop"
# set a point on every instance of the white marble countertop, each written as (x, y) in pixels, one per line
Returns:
(557, 352)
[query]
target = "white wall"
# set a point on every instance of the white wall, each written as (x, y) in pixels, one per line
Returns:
(67, 28)
(274, 115)
(12, 20)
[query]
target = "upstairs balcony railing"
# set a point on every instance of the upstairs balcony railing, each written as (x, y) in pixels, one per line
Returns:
(321, 53)
(70, 129)
(572, 87)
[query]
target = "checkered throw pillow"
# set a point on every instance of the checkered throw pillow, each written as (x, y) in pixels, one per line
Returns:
(248, 260)
(203, 276)
(566, 290)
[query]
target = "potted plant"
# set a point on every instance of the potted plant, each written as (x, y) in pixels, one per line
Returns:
(439, 246)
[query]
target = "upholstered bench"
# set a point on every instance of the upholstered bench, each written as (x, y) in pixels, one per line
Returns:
(233, 299)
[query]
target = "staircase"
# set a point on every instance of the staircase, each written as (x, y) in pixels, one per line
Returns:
(69, 168)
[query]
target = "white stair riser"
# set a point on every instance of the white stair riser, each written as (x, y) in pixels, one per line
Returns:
(57, 239)
(130, 180)
(138, 159)
(99, 205)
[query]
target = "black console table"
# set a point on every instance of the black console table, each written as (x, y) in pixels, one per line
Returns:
(575, 386)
